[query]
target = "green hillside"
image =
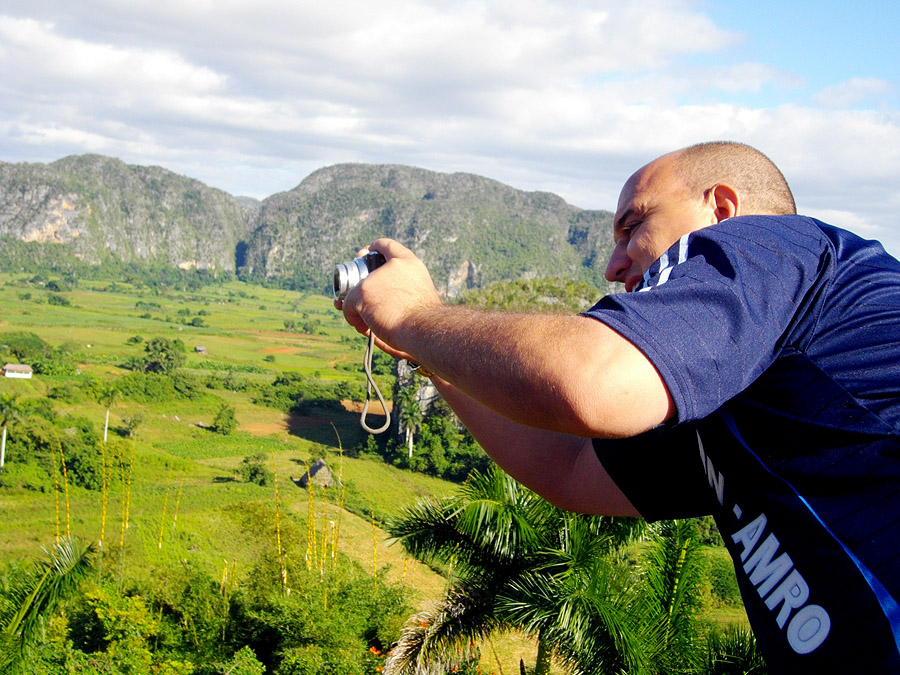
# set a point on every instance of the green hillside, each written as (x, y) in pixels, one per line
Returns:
(86, 211)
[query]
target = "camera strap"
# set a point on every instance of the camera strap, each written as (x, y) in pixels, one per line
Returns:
(370, 385)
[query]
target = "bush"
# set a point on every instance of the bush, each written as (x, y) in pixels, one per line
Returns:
(253, 470)
(53, 365)
(724, 584)
(187, 385)
(225, 421)
(164, 355)
(25, 476)
(36, 441)
(67, 392)
(146, 388)
(244, 662)
(299, 634)
(59, 300)
(26, 346)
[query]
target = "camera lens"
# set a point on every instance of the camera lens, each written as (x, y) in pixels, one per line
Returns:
(349, 274)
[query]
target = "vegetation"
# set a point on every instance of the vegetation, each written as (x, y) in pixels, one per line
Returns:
(517, 563)
(145, 225)
(28, 601)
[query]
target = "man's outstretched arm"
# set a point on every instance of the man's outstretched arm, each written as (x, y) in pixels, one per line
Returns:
(567, 374)
(562, 468)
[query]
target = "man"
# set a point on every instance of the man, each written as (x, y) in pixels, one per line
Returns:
(751, 372)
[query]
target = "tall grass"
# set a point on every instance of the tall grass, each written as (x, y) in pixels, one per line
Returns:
(162, 521)
(279, 551)
(62, 461)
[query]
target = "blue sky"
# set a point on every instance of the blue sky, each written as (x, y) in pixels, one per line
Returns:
(821, 42)
(568, 97)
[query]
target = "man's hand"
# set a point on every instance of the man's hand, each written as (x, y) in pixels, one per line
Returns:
(389, 296)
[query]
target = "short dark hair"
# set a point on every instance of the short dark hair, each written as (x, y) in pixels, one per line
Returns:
(762, 187)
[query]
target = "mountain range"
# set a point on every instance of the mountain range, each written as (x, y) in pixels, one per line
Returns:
(469, 230)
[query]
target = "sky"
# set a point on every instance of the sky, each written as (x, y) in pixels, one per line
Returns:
(564, 96)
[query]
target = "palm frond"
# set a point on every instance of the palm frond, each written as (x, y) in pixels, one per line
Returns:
(733, 651)
(586, 615)
(439, 639)
(37, 594)
(672, 569)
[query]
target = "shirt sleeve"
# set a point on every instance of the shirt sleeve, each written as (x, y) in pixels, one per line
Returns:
(715, 310)
(660, 472)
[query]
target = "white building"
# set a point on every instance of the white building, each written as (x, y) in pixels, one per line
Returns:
(17, 370)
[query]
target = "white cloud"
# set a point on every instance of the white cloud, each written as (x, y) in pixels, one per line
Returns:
(567, 97)
(855, 90)
(39, 50)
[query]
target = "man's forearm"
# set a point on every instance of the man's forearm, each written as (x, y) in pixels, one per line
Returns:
(570, 374)
(560, 467)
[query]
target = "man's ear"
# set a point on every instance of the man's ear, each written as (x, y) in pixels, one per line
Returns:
(724, 201)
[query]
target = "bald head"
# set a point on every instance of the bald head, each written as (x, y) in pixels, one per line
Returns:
(762, 188)
(685, 191)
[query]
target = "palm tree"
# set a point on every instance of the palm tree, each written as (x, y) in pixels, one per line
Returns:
(410, 412)
(107, 396)
(520, 564)
(9, 410)
(32, 598)
(672, 568)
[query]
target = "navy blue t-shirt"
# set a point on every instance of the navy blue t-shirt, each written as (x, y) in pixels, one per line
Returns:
(779, 341)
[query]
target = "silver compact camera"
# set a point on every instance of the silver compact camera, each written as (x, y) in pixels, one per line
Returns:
(349, 274)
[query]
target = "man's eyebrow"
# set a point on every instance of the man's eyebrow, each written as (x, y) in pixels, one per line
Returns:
(623, 218)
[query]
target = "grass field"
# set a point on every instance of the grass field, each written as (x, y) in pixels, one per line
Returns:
(184, 503)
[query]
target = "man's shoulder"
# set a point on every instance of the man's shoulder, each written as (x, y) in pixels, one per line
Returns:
(775, 231)
(797, 232)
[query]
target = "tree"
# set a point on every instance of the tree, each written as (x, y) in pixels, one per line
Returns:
(410, 412)
(520, 564)
(131, 424)
(253, 470)
(164, 355)
(107, 396)
(35, 596)
(9, 411)
(225, 421)
(672, 568)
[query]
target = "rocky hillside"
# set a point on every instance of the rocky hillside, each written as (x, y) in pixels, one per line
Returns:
(469, 230)
(102, 208)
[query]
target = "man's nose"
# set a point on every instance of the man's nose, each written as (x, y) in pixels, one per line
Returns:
(618, 265)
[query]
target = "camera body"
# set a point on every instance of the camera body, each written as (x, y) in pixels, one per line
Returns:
(349, 274)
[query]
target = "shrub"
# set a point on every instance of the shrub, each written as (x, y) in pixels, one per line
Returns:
(187, 385)
(36, 441)
(59, 300)
(244, 662)
(164, 355)
(253, 470)
(144, 388)
(67, 392)
(53, 365)
(225, 421)
(25, 476)
(724, 584)
(25, 346)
